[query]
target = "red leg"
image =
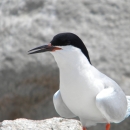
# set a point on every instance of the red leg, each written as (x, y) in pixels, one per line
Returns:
(84, 128)
(108, 126)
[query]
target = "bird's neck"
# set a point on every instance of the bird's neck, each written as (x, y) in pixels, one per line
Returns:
(72, 60)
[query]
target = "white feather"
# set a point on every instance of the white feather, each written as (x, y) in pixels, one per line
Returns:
(80, 83)
(60, 106)
(128, 106)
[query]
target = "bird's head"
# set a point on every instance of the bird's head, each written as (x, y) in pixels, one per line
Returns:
(63, 42)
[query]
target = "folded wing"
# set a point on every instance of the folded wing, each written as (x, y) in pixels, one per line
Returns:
(60, 106)
(113, 104)
(128, 107)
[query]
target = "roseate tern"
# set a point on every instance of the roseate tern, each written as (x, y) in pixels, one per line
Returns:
(84, 91)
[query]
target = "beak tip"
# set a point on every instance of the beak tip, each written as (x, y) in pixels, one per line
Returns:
(43, 48)
(29, 53)
(31, 50)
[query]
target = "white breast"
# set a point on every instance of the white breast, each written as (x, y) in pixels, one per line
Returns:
(79, 83)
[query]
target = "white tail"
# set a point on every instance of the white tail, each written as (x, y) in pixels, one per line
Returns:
(128, 107)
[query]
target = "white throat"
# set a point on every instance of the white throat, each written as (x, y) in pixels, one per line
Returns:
(70, 57)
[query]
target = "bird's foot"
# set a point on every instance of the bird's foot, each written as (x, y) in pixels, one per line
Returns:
(84, 128)
(108, 126)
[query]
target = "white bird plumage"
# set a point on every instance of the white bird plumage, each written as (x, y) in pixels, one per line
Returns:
(86, 92)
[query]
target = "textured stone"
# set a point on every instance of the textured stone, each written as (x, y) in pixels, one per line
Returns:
(29, 81)
(48, 124)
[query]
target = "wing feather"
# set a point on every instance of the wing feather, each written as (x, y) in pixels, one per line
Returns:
(60, 106)
(128, 106)
(112, 104)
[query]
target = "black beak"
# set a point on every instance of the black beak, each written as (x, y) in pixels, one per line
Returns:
(43, 48)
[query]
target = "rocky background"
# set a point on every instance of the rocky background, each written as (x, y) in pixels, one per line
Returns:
(48, 124)
(27, 82)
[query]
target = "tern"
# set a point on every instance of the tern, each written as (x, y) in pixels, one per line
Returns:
(84, 91)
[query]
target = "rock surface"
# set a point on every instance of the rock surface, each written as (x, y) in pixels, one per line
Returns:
(48, 124)
(27, 82)
(52, 124)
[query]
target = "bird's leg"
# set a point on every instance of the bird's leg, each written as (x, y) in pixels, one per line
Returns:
(84, 128)
(108, 126)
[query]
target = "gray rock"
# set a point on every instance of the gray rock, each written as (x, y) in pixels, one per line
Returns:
(29, 81)
(48, 124)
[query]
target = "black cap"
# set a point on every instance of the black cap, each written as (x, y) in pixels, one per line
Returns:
(64, 39)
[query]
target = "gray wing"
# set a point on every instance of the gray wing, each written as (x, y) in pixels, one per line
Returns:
(60, 106)
(112, 104)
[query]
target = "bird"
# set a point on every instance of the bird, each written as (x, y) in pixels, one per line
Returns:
(84, 91)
